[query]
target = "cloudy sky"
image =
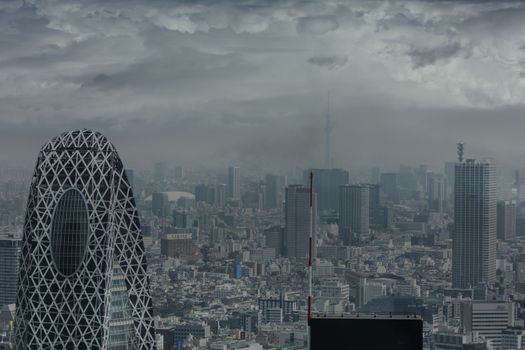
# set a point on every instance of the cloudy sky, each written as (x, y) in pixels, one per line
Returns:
(207, 83)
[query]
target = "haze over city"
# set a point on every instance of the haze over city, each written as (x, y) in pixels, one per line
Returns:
(212, 82)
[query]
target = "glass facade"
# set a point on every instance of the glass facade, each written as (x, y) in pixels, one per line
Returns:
(121, 331)
(69, 232)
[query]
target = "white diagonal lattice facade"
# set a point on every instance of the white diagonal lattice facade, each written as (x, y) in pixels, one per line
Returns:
(81, 236)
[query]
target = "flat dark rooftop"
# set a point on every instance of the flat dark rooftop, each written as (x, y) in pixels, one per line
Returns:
(367, 332)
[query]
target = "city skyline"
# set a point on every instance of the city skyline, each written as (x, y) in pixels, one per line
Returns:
(286, 171)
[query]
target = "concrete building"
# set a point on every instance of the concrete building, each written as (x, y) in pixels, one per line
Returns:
(506, 220)
(234, 182)
(177, 244)
(487, 318)
(369, 290)
(436, 189)
(273, 195)
(160, 205)
(297, 221)
(353, 212)
(474, 240)
(326, 185)
(9, 261)
(389, 186)
(513, 338)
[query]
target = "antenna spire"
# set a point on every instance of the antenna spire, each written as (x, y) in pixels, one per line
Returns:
(328, 132)
(461, 151)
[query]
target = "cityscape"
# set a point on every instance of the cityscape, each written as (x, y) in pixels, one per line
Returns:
(262, 175)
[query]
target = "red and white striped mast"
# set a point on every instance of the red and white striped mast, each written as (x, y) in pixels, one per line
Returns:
(310, 244)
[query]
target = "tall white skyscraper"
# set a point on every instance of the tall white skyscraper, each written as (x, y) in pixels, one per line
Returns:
(234, 182)
(474, 240)
(353, 212)
(83, 281)
(297, 221)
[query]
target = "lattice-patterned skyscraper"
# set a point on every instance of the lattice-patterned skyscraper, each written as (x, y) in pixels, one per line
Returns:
(83, 281)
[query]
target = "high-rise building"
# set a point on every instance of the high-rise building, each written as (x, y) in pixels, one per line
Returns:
(179, 172)
(297, 221)
(159, 172)
(234, 182)
(83, 282)
(474, 239)
(326, 185)
(506, 220)
(9, 260)
(353, 212)
(389, 186)
(273, 191)
(160, 204)
(374, 204)
(436, 192)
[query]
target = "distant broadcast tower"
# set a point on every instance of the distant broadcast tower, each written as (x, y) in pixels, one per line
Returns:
(328, 132)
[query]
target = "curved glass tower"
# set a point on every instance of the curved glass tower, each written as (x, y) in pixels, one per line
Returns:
(83, 281)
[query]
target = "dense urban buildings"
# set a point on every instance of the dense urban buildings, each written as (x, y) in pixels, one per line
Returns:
(83, 282)
(474, 239)
(231, 273)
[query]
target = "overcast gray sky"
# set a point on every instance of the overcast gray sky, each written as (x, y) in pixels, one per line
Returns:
(207, 83)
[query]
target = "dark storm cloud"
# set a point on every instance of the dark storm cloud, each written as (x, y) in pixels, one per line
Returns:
(330, 62)
(212, 82)
(423, 56)
(317, 25)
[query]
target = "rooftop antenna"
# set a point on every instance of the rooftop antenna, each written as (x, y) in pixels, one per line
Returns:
(461, 151)
(310, 254)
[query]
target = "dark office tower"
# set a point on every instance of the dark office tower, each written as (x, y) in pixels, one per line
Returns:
(407, 178)
(297, 221)
(422, 176)
(272, 195)
(83, 282)
(179, 172)
(160, 204)
(374, 204)
(9, 260)
(474, 239)
(202, 193)
(326, 185)
(436, 192)
(353, 212)
(506, 220)
(234, 182)
(159, 173)
(389, 186)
